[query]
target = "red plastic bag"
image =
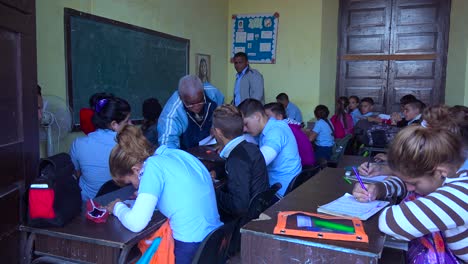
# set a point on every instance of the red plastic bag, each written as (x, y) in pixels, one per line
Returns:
(95, 213)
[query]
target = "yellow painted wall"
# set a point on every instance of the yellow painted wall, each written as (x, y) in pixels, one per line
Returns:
(456, 91)
(306, 51)
(328, 56)
(202, 21)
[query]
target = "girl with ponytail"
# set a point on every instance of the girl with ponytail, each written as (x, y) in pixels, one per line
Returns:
(171, 180)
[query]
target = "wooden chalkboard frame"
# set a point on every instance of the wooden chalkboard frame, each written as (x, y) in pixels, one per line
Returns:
(68, 13)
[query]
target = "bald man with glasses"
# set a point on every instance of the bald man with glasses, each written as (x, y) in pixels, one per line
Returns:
(187, 116)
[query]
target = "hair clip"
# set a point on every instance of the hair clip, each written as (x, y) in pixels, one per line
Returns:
(100, 105)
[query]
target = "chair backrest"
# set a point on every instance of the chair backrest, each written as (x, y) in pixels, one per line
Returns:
(338, 150)
(214, 247)
(302, 177)
(259, 203)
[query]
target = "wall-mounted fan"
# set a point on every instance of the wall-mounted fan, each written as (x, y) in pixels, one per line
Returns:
(56, 122)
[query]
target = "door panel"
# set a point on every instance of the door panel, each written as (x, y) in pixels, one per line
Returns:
(25, 6)
(366, 79)
(365, 26)
(418, 77)
(392, 48)
(10, 99)
(364, 32)
(19, 144)
(419, 28)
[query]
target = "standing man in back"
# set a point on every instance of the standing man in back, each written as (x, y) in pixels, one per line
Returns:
(249, 82)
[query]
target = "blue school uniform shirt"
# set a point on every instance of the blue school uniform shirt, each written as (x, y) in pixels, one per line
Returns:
(90, 155)
(356, 115)
(184, 192)
(293, 112)
(324, 134)
(277, 135)
(464, 166)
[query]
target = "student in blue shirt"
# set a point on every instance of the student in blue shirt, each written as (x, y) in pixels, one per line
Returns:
(322, 134)
(90, 154)
(292, 111)
(171, 180)
(353, 108)
(277, 143)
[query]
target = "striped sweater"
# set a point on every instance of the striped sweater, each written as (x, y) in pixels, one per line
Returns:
(445, 209)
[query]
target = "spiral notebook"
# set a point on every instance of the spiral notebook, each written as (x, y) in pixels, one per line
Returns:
(347, 205)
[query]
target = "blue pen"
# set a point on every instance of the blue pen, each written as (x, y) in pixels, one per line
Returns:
(359, 179)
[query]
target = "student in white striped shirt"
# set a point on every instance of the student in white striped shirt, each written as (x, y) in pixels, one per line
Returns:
(426, 162)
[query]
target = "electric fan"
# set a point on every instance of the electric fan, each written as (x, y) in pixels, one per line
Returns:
(56, 123)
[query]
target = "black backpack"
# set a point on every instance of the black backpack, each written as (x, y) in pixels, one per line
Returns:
(54, 196)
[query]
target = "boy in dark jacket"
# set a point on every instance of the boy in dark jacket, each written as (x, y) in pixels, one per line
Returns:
(245, 165)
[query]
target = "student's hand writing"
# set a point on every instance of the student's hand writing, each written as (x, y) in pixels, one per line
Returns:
(110, 207)
(364, 196)
(380, 157)
(370, 169)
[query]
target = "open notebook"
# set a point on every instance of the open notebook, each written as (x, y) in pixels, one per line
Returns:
(347, 205)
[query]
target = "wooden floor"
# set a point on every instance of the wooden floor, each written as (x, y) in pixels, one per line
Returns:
(389, 256)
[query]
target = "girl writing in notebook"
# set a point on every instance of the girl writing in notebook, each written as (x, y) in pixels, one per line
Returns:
(171, 180)
(434, 214)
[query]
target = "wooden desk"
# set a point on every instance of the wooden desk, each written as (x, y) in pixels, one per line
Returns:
(352, 160)
(210, 158)
(206, 154)
(260, 245)
(84, 240)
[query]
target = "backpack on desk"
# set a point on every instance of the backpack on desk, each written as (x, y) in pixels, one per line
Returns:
(54, 196)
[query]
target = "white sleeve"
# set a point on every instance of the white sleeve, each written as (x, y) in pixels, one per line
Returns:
(269, 154)
(138, 217)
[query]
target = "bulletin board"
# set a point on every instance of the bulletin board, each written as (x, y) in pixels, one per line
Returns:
(256, 35)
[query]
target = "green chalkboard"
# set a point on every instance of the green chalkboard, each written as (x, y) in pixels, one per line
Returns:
(131, 62)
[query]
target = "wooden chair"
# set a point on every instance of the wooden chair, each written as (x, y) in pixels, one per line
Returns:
(259, 203)
(305, 175)
(214, 247)
(338, 150)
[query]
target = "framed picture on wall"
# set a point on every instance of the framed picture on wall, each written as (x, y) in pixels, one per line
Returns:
(203, 67)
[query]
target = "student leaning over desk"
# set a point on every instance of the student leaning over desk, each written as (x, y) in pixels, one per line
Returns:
(245, 166)
(435, 192)
(276, 142)
(186, 116)
(171, 180)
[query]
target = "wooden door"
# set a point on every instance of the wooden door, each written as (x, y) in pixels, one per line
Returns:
(19, 146)
(389, 48)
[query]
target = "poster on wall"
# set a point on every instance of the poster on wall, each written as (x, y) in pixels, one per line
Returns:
(256, 35)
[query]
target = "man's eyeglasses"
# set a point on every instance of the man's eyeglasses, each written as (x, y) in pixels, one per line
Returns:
(190, 106)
